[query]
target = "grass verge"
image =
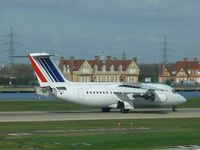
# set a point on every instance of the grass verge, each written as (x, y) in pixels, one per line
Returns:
(44, 105)
(82, 135)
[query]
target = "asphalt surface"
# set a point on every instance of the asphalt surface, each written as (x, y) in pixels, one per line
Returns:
(24, 116)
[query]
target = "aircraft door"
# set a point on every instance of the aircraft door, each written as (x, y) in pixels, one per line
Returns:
(81, 94)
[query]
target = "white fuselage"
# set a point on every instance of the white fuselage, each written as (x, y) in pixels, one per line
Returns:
(104, 95)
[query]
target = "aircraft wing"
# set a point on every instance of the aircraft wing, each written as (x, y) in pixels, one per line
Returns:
(124, 96)
(151, 94)
(130, 92)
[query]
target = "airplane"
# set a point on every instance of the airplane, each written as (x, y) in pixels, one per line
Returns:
(104, 95)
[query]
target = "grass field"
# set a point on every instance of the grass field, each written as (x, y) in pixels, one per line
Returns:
(100, 135)
(45, 105)
(191, 103)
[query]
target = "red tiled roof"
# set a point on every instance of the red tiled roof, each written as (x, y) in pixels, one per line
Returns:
(185, 65)
(76, 64)
(109, 63)
(73, 64)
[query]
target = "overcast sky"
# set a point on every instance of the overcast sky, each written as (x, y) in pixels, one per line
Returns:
(85, 28)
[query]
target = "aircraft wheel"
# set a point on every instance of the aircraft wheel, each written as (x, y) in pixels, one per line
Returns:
(174, 108)
(105, 109)
(123, 110)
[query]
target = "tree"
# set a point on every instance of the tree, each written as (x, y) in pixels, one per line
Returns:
(149, 70)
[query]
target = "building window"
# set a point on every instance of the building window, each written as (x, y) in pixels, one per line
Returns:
(108, 78)
(105, 78)
(118, 78)
(101, 79)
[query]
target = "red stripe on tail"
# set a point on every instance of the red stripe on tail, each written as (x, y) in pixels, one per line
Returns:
(37, 70)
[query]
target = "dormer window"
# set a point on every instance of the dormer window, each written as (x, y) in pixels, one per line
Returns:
(64, 69)
(120, 68)
(68, 69)
(104, 68)
(173, 72)
(95, 68)
(112, 68)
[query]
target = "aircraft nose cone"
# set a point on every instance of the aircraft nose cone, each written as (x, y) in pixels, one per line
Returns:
(182, 99)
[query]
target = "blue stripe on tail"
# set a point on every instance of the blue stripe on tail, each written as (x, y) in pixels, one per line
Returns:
(40, 62)
(55, 71)
(49, 69)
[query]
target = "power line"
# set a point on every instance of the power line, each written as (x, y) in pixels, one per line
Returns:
(11, 43)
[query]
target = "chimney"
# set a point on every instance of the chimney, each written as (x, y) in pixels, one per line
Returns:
(61, 58)
(108, 58)
(96, 58)
(61, 62)
(185, 59)
(72, 58)
(72, 62)
(135, 59)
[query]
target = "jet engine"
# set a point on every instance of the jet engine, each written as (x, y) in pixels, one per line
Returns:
(153, 95)
(149, 95)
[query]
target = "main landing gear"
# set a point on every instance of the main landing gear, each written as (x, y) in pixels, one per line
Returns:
(174, 108)
(105, 109)
(123, 110)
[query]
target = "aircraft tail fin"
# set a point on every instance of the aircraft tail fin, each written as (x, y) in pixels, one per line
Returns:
(47, 72)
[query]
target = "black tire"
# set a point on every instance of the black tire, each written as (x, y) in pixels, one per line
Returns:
(105, 109)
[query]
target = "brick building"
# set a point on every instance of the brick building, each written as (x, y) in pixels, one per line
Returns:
(184, 70)
(98, 70)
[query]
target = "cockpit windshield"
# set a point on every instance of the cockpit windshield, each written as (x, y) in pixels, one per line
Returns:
(173, 91)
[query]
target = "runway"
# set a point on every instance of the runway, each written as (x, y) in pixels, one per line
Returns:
(27, 116)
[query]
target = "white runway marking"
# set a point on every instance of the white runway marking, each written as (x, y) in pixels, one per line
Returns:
(190, 147)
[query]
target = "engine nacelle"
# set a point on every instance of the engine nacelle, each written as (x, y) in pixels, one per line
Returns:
(153, 95)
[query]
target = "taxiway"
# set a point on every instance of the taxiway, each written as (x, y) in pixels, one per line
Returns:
(25, 116)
